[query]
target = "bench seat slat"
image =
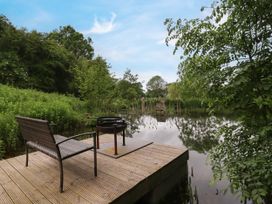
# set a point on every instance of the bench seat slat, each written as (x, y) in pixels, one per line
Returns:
(71, 146)
(43, 149)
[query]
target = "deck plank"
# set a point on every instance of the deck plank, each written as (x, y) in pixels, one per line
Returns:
(4, 178)
(39, 180)
(4, 197)
(129, 176)
(75, 179)
(31, 192)
(15, 193)
(48, 168)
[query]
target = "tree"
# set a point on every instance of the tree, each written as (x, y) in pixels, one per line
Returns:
(12, 70)
(48, 64)
(134, 88)
(230, 52)
(173, 91)
(30, 60)
(128, 76)
(156, 87)
(94, 82)
(73, 41)
(128, 90)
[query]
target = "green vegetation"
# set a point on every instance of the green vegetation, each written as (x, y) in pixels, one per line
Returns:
(156, 87)
(228, 60)
(67, 113)
(62, 61)
(32, 60)
(128, 91)
(94, 83)
(173, 107)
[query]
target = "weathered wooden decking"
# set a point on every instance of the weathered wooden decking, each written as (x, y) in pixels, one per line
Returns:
(122, 180)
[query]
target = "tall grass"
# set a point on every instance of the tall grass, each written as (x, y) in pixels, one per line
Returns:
(65, 112)
(176, 106)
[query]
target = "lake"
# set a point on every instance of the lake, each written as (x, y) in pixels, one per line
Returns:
(196, 133)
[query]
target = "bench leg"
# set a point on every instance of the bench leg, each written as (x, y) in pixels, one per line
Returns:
(95, 157)
(61, 176)
(26, 150)
(115, 143)
(124, 142)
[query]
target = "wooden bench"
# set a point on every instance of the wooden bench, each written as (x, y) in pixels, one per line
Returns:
(38, 135)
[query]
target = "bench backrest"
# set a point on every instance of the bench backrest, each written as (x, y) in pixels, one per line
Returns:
(37, 131)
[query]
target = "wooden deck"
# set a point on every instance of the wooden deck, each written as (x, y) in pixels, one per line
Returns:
(122, 180)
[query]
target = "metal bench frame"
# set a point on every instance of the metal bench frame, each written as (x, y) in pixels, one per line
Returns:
(38, 135)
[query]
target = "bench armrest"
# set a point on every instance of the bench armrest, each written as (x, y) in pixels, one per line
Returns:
(75, 136)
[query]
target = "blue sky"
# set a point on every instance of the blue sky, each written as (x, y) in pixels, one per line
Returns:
(127, 33)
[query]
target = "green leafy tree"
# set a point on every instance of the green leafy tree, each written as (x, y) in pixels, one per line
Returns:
(29, 59)
(156, 87)
(230, 53)
(12, 70)
(131, 78)
(94, 82)
(173, 91)
(73, 41)
(128, 89)
(48, 65)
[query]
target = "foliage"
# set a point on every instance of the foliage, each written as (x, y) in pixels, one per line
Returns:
(187, 96)
(66, 112)
(29, 59)
(94, 82)
(198, 134)
(243, 166)
(174, 106)
(73, 41)
(230, 54)
(128, 91)
(129, 87)
(156, 87)
(173, 91)
(12, 71)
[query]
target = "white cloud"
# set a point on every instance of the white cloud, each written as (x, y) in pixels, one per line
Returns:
(102, 26)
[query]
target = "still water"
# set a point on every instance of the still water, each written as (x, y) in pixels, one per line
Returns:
(196, 133)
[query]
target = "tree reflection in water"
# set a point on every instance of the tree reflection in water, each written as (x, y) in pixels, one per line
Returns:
(197, 133)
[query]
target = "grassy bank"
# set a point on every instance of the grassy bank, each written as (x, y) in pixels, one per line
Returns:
(68, 113)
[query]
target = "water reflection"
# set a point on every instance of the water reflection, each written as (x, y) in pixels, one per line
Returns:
(197, 134)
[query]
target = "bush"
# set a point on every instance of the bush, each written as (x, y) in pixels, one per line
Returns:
(66, 112)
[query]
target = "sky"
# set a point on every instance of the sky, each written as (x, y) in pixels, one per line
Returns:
(129, 34)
